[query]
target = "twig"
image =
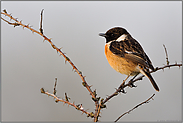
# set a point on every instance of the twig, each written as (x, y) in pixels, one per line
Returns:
(135, 107)
(57, 99)
(167, 62)
(53, 46)
(66, 97)
(137, 79)
(54, 89)
(41, 22)
(120, 89)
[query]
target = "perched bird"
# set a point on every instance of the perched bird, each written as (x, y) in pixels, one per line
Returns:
(126, 55)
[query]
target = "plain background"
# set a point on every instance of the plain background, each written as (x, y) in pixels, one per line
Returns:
(28, 64)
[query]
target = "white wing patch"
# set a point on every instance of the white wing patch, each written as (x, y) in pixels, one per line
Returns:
(128, 52)
(122, 37)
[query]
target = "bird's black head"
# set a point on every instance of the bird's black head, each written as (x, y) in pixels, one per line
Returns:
(114, 33)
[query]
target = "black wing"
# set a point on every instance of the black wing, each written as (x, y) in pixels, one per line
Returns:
(131, 50)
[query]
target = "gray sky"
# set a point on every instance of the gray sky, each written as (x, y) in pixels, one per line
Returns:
(28, 64)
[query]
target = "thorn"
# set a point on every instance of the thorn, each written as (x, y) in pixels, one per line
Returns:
(54, 47)
(116, 93)
(67, 58)
(16, 19)
(60, 48)
(84, 84)
(10, 16)
(66, 97)
(5, 11)
(90, 86)
(78, 106)
(57, 50)
(175, 62)
(42, 90)
(95, 93)
(80, 72)
(81, 107)
(56, 100)
(23, 26)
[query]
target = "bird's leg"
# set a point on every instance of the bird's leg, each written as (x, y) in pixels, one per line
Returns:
(122, 85)
(131, 81)
(125, 79)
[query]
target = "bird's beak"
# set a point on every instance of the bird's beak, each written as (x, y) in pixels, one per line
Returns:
(102, 34)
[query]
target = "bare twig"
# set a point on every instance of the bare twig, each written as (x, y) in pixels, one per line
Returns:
(167, 62)
(121, 88)
(147, 101)
(54, 89)
(41, 22)
(53, 46)
(57, 99)
(66, 97)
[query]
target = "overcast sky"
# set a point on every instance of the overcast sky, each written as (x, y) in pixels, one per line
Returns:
(28, 64)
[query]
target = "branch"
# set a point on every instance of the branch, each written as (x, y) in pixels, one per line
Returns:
(54, 89)
(132, 81)
(167, 62)
(57, 99)
(147, 101)
(19, 23)
(41, 28)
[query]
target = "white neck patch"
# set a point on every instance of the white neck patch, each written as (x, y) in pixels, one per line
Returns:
(122, 37)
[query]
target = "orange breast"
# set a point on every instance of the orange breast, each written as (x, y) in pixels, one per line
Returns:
(120, 64)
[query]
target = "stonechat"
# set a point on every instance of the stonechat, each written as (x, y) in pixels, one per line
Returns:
(126, 55)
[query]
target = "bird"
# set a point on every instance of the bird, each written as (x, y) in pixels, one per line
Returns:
(126, 55)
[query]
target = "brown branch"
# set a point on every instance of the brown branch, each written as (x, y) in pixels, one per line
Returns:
(41, 22)
(57, 99)
(53, 46)
(147, 101)
(167, 62)
(54, 89)
(132, 81)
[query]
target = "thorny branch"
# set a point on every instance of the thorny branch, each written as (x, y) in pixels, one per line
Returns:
(99, 103)
(66, 101)
(19, 23)
(147, 101)
(84, 83)
(132, 81)
(57, 99)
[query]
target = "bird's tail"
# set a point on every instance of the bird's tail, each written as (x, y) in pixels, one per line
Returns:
(148, 75)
